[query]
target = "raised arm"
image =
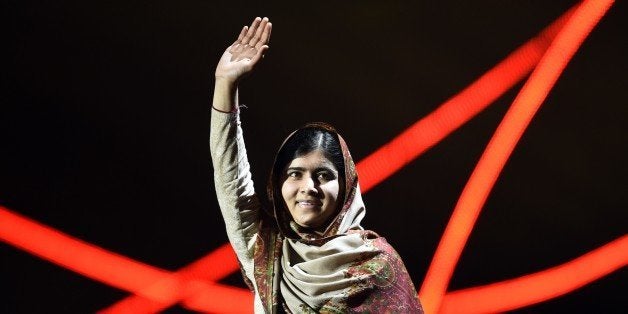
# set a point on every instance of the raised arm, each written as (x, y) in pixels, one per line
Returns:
(236, 195)
(238, 61)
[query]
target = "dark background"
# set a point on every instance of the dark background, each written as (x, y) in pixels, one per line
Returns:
(104, 123)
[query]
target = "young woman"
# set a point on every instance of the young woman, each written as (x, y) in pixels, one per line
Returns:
(308, 253)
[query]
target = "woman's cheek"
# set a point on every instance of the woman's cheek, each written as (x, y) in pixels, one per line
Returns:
(287, 191)
(334, 189)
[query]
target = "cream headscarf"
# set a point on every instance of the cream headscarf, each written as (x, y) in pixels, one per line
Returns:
(336, 270)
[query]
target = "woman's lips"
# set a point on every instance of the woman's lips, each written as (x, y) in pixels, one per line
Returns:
(309, 204)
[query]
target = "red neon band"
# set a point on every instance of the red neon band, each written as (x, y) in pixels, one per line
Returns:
(164, 288)
(449, 116)
(501, 146)
(112, 269)
(81, 257)
(541, 286)
(456, 111)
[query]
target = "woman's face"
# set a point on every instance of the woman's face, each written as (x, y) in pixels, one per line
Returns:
(311, 189)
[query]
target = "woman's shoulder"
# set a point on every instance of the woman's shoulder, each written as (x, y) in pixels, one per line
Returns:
(389, 285)
(375, 240)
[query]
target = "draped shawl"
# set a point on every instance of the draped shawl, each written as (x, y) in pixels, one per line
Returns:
(344, 269)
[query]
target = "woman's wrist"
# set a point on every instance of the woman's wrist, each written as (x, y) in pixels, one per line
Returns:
(225, 81)
(225, 95)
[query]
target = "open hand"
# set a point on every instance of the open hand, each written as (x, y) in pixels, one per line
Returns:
(241, 57)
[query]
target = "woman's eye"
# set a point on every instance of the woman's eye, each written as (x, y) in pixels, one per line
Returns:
(294, 174)
(325, 176)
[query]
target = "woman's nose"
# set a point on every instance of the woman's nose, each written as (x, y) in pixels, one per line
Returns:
(308, 185)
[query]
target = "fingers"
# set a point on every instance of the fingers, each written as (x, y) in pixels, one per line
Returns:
(269, 29)
(251, 31)
(235, 45)
(265, 36)
(252, 41)
(242, 33)
(258, 32)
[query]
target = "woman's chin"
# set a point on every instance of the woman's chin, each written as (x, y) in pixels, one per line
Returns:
(305, 224)
(308, 223)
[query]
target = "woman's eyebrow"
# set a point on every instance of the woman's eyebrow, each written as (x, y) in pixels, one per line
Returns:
(296, 168)
(325, 168)
(319, 168)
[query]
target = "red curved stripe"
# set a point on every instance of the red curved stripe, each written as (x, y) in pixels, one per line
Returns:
(456, 111)
(216, 265)
(501, 146)
(541, 286)
(81, 257)
(117, 270)
(450, 115)
(193, 284)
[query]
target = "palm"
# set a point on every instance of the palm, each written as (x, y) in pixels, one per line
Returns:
(242, 56)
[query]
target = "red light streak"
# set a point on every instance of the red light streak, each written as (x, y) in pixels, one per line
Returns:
(81, 257)
(122, 272)
(200, 296)
(544, 285)
(456, 111)
(216, 265)
(501, 146)
(194, 285)
(448, 117)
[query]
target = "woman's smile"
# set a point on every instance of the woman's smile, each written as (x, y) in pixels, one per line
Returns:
(309, 204)
(313, 254)
(310, 189)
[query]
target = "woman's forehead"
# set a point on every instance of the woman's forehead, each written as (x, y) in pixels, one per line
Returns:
(312, 160)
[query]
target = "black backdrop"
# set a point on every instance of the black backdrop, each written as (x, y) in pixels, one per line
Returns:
(104, 124)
